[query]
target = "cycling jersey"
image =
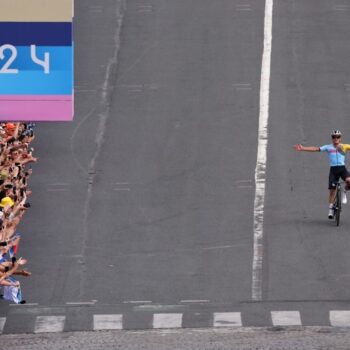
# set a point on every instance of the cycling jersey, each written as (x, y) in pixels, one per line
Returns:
(336, 156)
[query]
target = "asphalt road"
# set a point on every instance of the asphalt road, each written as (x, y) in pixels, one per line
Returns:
(145, 202)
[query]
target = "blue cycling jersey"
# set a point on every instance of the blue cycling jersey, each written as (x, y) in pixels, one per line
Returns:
(336, 156)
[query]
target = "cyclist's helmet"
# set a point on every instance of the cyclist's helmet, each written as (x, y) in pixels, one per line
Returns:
(336, 133)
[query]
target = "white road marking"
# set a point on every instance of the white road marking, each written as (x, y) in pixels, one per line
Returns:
(145, 8)
(122, 189)
(81, 302)
(286, 318)
(107, 322)
(58, 187)
(260, 170)
(227, 319)
(243, 86)
(195, 301)
(138, 302)
(85, 90)
(95, 9)
(341, 7)
(339, 318)
(49, 324)
(167, 320)
(243, 7)
(2, 324)
(222, 247)
(24, 305)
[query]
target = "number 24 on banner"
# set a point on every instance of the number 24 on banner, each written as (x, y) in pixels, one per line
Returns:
(45, 63)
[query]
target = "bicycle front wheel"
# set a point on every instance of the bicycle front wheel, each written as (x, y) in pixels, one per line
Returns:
(338, 207)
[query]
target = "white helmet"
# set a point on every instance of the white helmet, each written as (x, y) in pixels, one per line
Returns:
(336, 133)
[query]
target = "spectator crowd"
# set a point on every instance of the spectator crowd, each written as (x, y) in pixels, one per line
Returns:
(16, 157)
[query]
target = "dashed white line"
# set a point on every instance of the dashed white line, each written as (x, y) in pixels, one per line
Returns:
(341, 7)
(49, 324)
(260, 170)
(145, 8)
(243, 86)
(24, 305)
(243, 7)
(286, 318)
(220, 247)
(81, 303)
(108, 322)
(339, 318)
(137, 302)
(167, 320)
(195, 301)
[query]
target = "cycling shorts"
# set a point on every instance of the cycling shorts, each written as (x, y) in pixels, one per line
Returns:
(336, 172)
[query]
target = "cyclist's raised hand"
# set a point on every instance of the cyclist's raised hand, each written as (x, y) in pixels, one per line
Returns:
(298, 147)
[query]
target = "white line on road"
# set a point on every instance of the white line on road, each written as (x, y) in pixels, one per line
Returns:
(243, 7)
(80, 302)
(243, 86)
(108, 322)
(243, 181)
(167, 320)
(49, 324)
(137, 302)
(195, 301)
(341, 7)
(260, 170)
(286, 318)
(24, 305)
(221, 247)
(339, 318)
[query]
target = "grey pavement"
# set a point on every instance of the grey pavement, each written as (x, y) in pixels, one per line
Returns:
(144, 204)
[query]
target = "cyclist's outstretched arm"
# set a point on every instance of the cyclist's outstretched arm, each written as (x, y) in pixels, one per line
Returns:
(300, 147)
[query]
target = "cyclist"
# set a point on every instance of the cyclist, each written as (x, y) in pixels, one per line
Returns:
(336, 154)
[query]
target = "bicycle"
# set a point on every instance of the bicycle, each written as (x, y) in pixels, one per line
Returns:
(338, 202)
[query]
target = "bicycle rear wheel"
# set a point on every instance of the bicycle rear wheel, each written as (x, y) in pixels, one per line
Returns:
(338, 207)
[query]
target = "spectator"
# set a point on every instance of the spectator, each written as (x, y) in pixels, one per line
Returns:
(15, 154)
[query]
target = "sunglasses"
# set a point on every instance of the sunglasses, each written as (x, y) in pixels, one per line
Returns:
(336, 137)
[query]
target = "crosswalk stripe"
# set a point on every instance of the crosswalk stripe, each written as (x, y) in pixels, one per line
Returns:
(227, 319)
(107, 322)
(167, 320)
(339, 318)
(49, 324)
(2, 323)
(286, 318)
